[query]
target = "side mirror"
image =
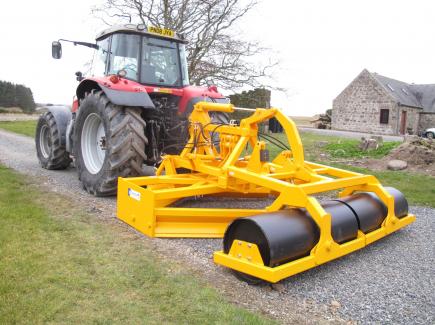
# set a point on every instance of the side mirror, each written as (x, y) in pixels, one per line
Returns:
(56, 50)
(79, 76)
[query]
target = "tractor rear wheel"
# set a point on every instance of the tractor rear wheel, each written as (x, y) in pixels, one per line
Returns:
(49, 149)
(109, 142)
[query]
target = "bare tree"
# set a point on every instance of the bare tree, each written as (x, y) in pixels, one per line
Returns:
(214, 51)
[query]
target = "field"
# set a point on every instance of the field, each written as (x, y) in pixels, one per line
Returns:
(22, 127)
(59, 265)
(16, 110)
(302, 120)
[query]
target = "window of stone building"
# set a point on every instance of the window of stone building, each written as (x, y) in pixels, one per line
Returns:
(385, 114)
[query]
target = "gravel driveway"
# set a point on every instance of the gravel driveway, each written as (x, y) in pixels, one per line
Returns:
(391, 281)
(350, 134)
(18, 117)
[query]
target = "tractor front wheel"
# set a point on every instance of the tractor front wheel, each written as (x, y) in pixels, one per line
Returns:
(109, 142)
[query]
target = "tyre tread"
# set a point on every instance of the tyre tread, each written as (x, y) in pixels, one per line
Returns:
(126, 140)
(59, 158)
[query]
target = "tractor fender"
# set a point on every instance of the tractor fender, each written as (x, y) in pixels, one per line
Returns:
(62, 116)
(195, 94)
(128, 98)
(191, 103)
(122, 97)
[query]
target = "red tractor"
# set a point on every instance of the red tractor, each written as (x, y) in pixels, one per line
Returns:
(132, 109)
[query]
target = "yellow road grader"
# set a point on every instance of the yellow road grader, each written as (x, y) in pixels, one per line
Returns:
(296, 232)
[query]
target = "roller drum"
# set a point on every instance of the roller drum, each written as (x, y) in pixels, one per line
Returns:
(281, 236)
(287, 235)
(401, 207)
(344, 224)
(370, 211)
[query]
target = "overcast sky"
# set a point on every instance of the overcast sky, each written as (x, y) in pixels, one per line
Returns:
(322, 45)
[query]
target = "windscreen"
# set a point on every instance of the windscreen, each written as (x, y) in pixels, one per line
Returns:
(161, 64)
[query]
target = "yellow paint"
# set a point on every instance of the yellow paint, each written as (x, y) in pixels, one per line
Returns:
(144, 202)
(163, 90)
(161, 31)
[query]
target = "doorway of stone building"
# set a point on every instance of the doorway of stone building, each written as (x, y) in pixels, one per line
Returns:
(403, 123)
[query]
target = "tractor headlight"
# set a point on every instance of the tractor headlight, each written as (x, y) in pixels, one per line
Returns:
(122, 73)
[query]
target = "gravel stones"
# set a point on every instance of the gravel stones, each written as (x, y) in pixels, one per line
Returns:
(18, 117)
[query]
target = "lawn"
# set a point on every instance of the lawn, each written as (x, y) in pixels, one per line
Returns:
(59, 265)
(333, 146)
(22, 127)
(345, 148)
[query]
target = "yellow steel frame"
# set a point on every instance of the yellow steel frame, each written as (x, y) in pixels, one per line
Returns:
(145, 202)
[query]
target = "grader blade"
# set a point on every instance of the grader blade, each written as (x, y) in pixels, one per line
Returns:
(293, 232)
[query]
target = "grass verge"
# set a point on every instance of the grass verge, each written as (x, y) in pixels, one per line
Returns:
(350, 149)
(58, 265)
(22, 127)
(334, 146)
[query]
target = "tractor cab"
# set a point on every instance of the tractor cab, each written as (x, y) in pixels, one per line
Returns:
(149, 56)
(152, 56)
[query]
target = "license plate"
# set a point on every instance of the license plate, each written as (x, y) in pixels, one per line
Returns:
(161, 31)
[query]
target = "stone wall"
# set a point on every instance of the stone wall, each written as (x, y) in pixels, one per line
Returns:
(358, 107)
(427, 120)
(412, 118)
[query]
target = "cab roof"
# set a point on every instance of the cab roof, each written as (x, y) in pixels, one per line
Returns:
(140, 29)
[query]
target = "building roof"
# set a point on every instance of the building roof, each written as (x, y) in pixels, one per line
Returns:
(413, 95)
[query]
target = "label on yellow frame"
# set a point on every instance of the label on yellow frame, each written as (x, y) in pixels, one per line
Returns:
(134, 194)
(160, 31)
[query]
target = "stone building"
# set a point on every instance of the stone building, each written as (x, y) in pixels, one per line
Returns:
(377, 104)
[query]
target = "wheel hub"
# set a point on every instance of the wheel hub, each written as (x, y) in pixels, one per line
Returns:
(45, 141)
(93, 143)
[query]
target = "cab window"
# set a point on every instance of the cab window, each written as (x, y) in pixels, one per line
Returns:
(125, 55)
(100, 58)
(160, 65)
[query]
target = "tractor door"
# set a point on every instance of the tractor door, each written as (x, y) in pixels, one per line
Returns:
(101, 58)
(124, 55)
